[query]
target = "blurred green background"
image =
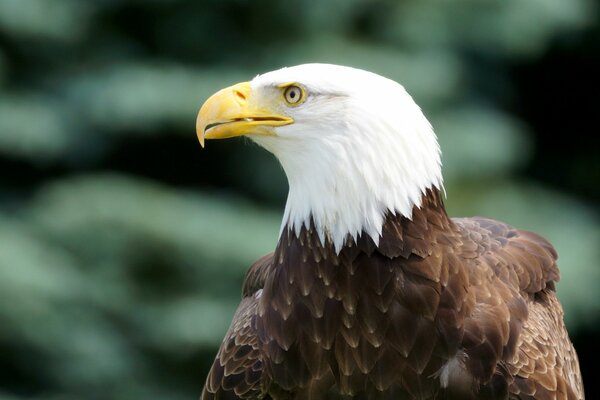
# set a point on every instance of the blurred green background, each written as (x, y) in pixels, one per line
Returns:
(123, 245)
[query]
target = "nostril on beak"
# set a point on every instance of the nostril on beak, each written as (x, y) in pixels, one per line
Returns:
(240, 96)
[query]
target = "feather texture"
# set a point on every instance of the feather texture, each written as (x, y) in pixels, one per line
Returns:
(439, 308)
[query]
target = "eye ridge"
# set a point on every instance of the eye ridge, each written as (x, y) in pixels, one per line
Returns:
(293, 94)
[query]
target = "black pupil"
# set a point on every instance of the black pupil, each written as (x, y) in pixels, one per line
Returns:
(292, 93)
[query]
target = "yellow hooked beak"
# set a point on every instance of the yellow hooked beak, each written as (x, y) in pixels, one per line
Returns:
(233, 112)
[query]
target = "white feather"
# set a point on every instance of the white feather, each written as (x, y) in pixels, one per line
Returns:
(359, 148)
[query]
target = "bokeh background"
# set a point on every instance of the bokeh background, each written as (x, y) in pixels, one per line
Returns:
(123, 245)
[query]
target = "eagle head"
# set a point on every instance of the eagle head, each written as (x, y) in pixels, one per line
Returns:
(353, 144)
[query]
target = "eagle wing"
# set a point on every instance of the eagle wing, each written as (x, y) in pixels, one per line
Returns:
(545, 365)
(236, 372)
(537, 359)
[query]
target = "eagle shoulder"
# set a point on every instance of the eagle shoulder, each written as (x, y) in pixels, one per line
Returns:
(521, 259)
(236, 372)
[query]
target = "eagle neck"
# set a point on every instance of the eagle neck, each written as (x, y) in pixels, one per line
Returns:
(348, 182)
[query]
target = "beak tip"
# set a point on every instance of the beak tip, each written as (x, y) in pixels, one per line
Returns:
(200, 129)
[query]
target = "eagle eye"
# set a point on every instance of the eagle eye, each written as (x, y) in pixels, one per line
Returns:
(293, 94)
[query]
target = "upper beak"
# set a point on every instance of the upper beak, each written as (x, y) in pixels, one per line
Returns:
(232, 112)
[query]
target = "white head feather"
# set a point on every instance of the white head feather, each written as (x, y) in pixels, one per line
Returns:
(359, 148)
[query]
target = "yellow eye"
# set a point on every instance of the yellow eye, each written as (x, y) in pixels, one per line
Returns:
(293, 94)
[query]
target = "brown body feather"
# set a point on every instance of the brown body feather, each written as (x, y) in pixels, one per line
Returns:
(440, 308)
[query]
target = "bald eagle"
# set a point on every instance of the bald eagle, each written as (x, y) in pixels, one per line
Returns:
(373, 291)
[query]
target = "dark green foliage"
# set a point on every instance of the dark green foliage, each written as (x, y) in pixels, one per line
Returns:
(123, 245)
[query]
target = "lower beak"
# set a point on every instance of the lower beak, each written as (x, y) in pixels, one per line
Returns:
(228, 113)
